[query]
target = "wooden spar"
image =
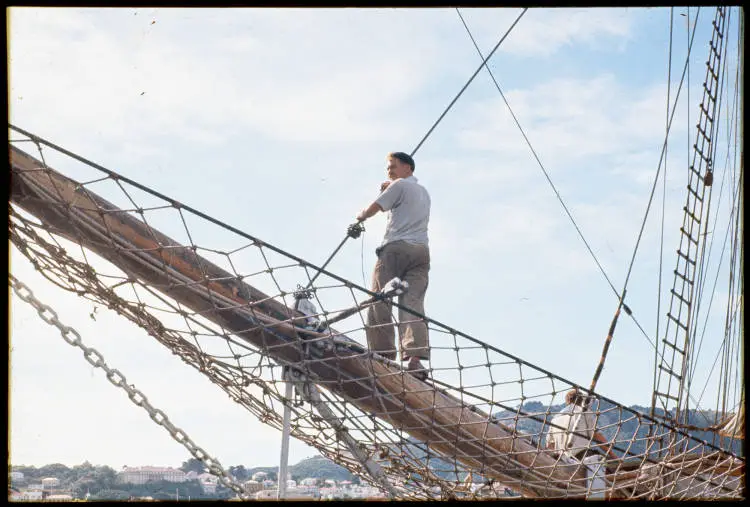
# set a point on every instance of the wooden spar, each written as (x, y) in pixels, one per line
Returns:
(427, 414)
(443, 422)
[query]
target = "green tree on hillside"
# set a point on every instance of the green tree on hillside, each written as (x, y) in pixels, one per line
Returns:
(239, 472)
(83, 486)
(193, 465)
(111, 494)
(92, 479)
(57, 470)
(82, 470)
(105, 475)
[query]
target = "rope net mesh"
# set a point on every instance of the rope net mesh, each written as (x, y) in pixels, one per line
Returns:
(224, 303)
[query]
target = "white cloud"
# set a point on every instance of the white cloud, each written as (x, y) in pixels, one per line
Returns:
(245, 72)
(545, 32)
(570, 120)
(233, 81)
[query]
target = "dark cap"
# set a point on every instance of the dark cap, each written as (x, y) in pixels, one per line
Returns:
(403, 157)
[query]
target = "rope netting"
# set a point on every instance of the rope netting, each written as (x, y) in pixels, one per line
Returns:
(224, 302)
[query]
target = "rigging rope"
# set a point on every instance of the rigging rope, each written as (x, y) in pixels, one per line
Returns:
(663, 154)
(663, 197)
(705, 258)
(662, 157)
(678, 371)
(484, 62)
(621, 303)
(726, 236)
(354, 228)
(534, 153)
(180, 208)
(458, 429)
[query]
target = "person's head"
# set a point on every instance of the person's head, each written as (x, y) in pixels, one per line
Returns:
(574, 397)
(400, 165)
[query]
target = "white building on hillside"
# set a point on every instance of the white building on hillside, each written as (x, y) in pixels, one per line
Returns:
(59, 498)
(252, 486)
(142, 475)
(208, 482)
(31, 495)
(50, 482)
(16, 476)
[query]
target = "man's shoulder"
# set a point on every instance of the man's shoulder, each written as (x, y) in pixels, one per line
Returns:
(412, 182)
(561, 416)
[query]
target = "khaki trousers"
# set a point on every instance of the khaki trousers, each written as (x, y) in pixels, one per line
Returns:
(411, 263)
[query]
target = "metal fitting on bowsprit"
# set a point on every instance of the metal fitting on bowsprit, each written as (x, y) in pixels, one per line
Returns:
(354, 230)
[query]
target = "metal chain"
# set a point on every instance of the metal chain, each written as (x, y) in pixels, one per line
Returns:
(117, 379)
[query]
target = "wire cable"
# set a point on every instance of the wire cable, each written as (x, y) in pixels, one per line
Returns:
(663, 196)
(533, 151)
(559, 197)
(484, 62)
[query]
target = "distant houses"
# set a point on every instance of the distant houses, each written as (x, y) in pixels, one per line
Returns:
(47, 490)
(252, 487)
(208, 482)
(320, 489)
(59, 498)
(51, 489)
(50, 482)
(142, 475)
(29, 495)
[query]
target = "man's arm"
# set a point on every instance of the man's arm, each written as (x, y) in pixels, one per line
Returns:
(369, 211)
(390, 195)
(608, 449)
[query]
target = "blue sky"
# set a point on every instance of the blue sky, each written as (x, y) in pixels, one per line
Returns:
(277, 122)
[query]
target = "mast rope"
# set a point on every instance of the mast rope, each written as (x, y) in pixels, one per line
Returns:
(484, 62)
(20, 224)
(663, 196)
(621, 303)
(356, 228)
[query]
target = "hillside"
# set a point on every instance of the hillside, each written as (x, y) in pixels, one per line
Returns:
(323, 468)
(608, 423)
(317, 467)
(101, 481)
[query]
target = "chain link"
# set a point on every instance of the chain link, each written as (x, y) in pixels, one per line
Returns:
(117, 379)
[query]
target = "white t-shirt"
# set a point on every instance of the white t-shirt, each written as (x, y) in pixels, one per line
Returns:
(575, 420)
(408, 206)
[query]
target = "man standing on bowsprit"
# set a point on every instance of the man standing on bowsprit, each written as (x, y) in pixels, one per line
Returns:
(404, 253)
